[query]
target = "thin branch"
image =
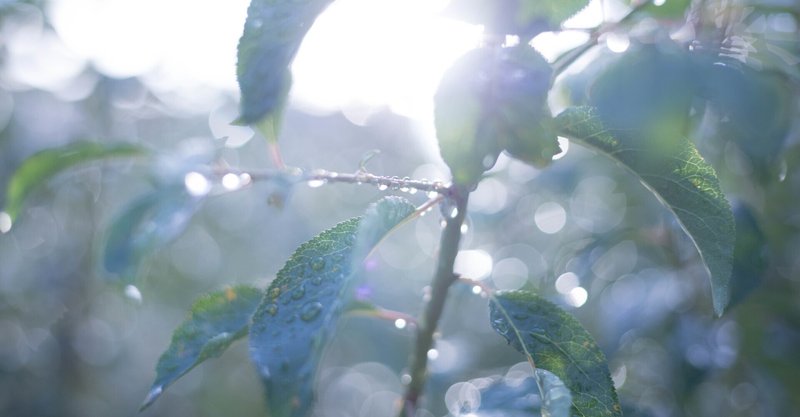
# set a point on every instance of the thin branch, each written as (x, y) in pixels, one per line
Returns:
(442, 280)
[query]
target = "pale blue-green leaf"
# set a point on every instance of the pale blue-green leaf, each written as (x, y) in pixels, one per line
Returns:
(272, 35)
(215, 321)
(680, 178)
(302, 305)
(555, 341)
(545, 395)
(150, 222)
(43, 165)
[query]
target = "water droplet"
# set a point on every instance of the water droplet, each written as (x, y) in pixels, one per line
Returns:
(311, 311)
(519, 316)
(412, 190)
(196, 184)
(317, 264)
(133, 293)
(383, 187)
(432, 194)
(400, 323)
(464, 228)
(299, 292)
(403, 189)
(405, 379)
(274, 293)
(5, 222)
(154, 393)
(316, 183)
(245, 178)
(231, 181)
(271, 309)
(477, 289)
(443, 223)
(433, 354)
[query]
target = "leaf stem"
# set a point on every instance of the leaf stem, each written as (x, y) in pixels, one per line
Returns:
(442, 280)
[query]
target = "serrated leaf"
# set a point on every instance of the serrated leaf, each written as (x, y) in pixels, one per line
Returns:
(148, 223)
(680, 178)
(502, 399)
(555, 341)
(525, 18)
(43, 165)
(215, 322)
(272, 35)
(493, 99)
(302, 305)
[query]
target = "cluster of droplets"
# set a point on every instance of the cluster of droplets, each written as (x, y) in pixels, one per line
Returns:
(198, 184)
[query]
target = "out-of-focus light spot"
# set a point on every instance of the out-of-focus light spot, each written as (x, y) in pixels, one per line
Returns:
(477, 289)
(619, 376)
(563, 143)
(490, 197)
(577, 296)
(550, 217)
(372, 52)
(783, 22)
(595, 205)
(618, 42)
(659, 2)
(5, 222)
(566, 282)
(433, 354)
(473, 264)
(316, 183)
(196, 184)
(133, 293)
(405, 379)
(40, 59)
(510, 274)
(231, 181)
(400, 323)
(461, 398)
(245, 179)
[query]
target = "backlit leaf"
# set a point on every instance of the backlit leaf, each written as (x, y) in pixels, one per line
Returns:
(215, 321)
(272, 35)
(43, 165)
(302, 305)
(148, 223)
(555, 341)
(680, 178)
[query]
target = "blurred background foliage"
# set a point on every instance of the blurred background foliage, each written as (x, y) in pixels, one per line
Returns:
(582, 232)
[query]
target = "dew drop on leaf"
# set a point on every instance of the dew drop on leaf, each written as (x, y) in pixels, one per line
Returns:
(318, 264)
(311, 311)
(272, 309)
(299, 292)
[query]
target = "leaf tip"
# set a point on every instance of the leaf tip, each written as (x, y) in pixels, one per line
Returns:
(151, 397)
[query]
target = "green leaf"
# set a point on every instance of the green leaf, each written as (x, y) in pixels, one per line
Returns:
(555, 341)
(680, 178)
(273, 32)
(150, 222)
(493, 99)
(215, 321)
(43, 165)
(302, 305)
(501, 399)
(525, 18)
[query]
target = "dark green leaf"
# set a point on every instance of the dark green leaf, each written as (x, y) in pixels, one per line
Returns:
(150, 222)
(525, 18)
(45, 164)
(555, 341)
(215, 321)
(680, 178)
(501, 399)
(272, 35)
(494, 99)
(303, 303)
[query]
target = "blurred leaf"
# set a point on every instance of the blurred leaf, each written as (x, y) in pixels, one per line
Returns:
(273, 32)
(681, 179)
(491, 99)
(501, 399)
(150, 222)
(215, 321)
(669, 9)
(555, 341)
(302, 305)
(525, 18)
(43, 165)
(755, 109)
